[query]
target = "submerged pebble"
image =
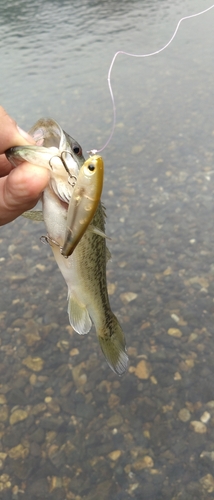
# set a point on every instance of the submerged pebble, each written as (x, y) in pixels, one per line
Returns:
(34, 364)
(143, 370)
(198, 427)
(184, 415)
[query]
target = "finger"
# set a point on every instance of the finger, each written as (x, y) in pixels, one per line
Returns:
(10, 134)
(20, 190)
(5, 166)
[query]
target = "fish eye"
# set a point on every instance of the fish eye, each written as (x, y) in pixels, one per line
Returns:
(77, 150)
(91, 167)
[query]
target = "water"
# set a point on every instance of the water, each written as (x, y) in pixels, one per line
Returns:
(86, 434)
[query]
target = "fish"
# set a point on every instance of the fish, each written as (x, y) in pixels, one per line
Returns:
(84, 270)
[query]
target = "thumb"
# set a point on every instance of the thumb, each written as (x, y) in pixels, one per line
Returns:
(10, 135)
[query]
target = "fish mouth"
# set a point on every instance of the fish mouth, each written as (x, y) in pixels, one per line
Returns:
(39, 137)
(48, 133)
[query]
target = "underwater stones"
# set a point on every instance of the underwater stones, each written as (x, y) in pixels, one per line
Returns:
(143, 463)
(35, 364)
(143, 370)
(115, 420)
(207, 483)
(198, 427)
(175, 332)
(18, 416)
(205, 417)
(2, 399)
(114, 455)
(128, 296)
(3, 413)
(184, 415)
(18, 451)
(207, 454)
(111, 288)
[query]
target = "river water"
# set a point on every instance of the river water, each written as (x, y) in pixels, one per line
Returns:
(70, 429)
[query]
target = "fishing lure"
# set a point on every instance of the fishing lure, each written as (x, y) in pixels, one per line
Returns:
(83, 203)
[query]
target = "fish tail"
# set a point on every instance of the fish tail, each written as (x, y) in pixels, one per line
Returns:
(113, 345)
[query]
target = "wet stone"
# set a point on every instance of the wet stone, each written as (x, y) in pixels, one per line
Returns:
(17, 397)
(128, 296)
(56, 456)
(205, 417)
(143, 463)
(114, 455)
(2, 399)
(18, 416)
(175, 332)
(58, 494)
(3, 413)
(39, 488)
(198, 427)
(143, 370)
(207, 483)
(115, 420)
(207, 454)
(51, 424)
(37, 409)
(35, 449)
(66, 389)
(18, 452)
(184, 415)
(84, 411)
(34, 364)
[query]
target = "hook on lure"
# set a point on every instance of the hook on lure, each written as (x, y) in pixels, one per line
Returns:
(61, 156)
(95, 151)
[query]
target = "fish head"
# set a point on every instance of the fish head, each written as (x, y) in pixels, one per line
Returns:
(48, 133)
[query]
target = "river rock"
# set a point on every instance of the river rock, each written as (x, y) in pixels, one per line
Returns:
(18, 452)
(34, 364)
(18, 416)
(143, 369)
(198, 427)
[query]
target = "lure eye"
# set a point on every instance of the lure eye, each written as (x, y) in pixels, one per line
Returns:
(91, 167)
(77, 150)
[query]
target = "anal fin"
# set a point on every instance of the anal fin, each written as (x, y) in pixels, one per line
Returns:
(78, 316)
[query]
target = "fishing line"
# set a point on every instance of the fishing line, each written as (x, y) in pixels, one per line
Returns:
(95, 151)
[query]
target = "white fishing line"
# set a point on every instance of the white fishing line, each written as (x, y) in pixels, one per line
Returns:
(94, 151)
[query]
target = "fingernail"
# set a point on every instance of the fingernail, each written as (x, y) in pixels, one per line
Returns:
(24, 134)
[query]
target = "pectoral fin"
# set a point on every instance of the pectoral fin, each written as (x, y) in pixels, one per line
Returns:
(78, 316)
(33, 215)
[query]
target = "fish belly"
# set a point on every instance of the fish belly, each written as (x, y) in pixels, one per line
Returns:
(55, 215)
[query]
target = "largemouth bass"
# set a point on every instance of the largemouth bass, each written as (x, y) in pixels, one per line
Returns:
(85, 270)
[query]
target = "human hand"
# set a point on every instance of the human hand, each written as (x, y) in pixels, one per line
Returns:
(20, 187)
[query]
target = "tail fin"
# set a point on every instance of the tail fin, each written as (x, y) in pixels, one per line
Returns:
(113, 345)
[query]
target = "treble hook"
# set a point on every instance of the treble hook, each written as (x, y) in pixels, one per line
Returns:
(54, 156)
(47, 239)
(65, 164)
(61, 156)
